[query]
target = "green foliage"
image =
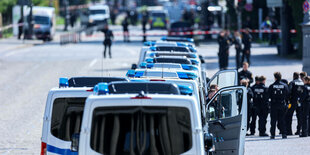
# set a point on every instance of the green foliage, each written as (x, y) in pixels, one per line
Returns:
(298, 15)
(5, 5)
(40, 2)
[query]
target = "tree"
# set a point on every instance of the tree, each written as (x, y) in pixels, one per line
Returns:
(298, 15)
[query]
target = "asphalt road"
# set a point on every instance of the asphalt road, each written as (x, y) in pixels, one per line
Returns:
(27, 74)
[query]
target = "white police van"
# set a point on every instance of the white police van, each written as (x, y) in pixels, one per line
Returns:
(162, 124)
(63, 112)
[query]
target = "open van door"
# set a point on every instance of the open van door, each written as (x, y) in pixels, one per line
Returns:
(224, 78)
(227, 120)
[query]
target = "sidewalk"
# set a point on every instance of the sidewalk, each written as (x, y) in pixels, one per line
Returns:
(13, 43)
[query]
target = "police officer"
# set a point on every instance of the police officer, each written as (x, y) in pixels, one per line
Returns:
(108, 37)
(224, 43)
(261, 105)
(245, 73)
(305, 101)
(278, 92)
(296, 88)
(247, 41)
(251, 111)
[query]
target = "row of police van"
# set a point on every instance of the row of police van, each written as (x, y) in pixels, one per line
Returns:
(162, 106)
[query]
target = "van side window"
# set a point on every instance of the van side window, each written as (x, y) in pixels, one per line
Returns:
(141, 130)
(67, 117)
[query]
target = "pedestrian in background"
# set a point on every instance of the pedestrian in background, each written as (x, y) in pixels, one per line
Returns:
(278, 92)
(145, 19)
(108, 37)
(247, 42)
(296, 89)
(223, 54)
(274, 36)
(237, 41)
(245, 73)
(305, 101)
(125, 25)
(20, 27)
(260, 96)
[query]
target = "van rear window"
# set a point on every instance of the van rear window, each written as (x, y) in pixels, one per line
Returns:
(67, 117)
(141, 130)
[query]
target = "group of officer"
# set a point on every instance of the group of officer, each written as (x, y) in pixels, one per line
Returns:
(242, 45)
(281, 99)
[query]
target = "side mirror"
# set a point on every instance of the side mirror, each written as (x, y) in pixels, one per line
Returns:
(134, 66)
(202, 60)
(75, 142)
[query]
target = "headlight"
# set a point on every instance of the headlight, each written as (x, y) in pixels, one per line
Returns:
(90, 20)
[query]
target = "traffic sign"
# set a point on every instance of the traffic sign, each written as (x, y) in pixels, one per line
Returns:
(306, 6)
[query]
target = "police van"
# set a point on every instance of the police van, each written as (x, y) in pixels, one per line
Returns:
(162, 124)
(63, 112)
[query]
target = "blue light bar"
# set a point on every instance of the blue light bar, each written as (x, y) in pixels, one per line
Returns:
(149, 60)
(63, 82)
(152, 55)
(190, 40)
(185, 90)
(130, 73)
(181, 44)
(139, 74)
(143, 64)
(101, 88)
(164, 38)
(192, 49)
(150, 65)
(189, 67)
(194, 62)
(152, 48)
(149, 43)
(184, 75)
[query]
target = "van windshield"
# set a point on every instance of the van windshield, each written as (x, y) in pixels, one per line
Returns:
(141, 130)
(93, 12)
(41, 20)
(67, 117)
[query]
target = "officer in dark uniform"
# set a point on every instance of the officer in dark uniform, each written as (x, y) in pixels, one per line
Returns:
(247, 41)
(278, 92)
(305, 102)
(260, 96)
(296, 88)
(251, 111)
(245, 73)
(224, 43)
(108, 37)
(145, 19)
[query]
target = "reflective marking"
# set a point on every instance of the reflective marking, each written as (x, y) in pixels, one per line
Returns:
(92, 63)
(57, 150)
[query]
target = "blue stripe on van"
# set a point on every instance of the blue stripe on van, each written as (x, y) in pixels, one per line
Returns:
(57, 150)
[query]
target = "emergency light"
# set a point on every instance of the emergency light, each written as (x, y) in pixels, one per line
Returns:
(63, 82)
(101, 88)
(185, 90)
(143, 65)
(183, 75)
(153, 48)
(149, 43)
(189, 67)
(131, 73)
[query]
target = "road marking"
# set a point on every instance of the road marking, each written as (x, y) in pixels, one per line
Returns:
(92, 63)
(16, 52)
